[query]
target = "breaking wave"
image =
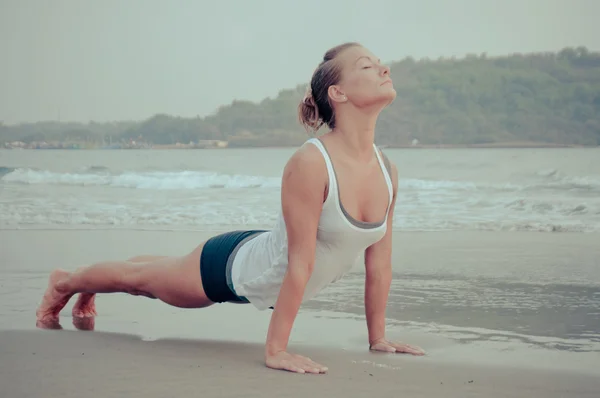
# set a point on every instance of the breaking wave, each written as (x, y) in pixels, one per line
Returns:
(190, 179)
(547, 201)
(159, 180)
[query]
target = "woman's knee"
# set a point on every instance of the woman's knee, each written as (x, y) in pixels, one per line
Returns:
(131, 280)
(152, 280)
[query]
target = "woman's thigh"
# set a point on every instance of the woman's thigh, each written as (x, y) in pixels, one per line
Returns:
(174, 280)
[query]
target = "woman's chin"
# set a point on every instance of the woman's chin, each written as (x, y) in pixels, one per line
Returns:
(381, 100)
(389, 95)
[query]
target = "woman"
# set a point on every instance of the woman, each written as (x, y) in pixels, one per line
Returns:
(338, 196)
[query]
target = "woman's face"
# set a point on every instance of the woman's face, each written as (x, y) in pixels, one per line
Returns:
(365, 82)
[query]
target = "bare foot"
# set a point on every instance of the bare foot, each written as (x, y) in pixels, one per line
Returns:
(85, 306)
(48, 323)
(86, 324)
(53, 301)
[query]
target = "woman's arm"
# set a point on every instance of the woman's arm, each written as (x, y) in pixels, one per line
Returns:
(303, 185)
(378, 266)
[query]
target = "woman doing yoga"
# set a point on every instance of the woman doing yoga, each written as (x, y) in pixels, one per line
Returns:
(338, 196)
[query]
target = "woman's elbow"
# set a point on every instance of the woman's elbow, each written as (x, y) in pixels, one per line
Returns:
(301, 270)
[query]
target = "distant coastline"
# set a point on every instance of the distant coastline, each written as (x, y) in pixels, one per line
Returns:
(536, 100)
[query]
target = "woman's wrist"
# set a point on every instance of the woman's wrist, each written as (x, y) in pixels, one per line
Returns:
(376, 340)
(272, 348)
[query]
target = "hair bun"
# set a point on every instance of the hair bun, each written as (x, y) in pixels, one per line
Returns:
(308, 112)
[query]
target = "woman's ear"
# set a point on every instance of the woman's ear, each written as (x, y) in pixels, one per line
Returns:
(336, 94)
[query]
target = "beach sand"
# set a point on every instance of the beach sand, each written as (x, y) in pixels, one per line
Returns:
(144, 348)
(72, 364)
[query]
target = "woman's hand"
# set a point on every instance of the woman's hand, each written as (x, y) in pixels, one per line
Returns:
(385, 345)
(283, 360)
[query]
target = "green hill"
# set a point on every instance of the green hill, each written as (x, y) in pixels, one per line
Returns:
(545, 98)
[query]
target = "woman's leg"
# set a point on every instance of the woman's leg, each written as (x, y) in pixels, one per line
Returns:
(145, 258)
(174, 280)
(85, 306)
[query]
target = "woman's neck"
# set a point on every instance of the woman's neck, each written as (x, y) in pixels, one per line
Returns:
(356, 134)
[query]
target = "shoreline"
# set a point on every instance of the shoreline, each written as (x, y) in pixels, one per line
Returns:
(457, 255)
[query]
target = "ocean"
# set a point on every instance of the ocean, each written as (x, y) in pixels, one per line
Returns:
(544, 190)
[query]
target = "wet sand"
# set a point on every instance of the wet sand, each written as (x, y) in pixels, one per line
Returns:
(76, 364)
(143, 348)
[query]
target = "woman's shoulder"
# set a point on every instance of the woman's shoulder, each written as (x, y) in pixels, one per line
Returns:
(306, 164)
(307, 158)
(303, 184)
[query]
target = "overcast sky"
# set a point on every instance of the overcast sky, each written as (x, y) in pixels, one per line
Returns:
(130, 59)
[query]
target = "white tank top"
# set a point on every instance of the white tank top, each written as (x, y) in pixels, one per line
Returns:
(260, 263)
